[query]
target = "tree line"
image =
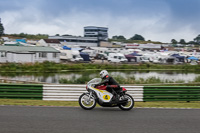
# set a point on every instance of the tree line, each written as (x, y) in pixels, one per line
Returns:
(29, 36)
(196, 40)
(120, 38)
(137, 37)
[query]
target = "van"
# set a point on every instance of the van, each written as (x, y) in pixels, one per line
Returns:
(117, 58)
(70, 55)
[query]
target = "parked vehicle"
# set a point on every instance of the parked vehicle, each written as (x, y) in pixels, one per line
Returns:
(104, 98)
(92, 53)
(131, 58)
(101, 56)
(117, 58)
(85, 56)
(70, 55)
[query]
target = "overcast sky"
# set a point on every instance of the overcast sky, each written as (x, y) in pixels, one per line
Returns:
(156, 20)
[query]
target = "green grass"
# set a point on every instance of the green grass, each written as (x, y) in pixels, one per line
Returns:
(37, 102)
(58, 67)
(175, 104)
(132, 80)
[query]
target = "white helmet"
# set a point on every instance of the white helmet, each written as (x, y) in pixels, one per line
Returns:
(103, 73)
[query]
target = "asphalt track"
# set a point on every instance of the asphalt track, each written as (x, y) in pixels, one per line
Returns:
(25, 119)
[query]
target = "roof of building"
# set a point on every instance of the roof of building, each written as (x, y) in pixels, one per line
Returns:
(12, 44)
(28, 49)
(94, 27)
(73, 37)
(52, 41)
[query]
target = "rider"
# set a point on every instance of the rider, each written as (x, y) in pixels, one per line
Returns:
(112, 85)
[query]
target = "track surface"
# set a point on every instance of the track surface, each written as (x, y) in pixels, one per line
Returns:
(24, 119)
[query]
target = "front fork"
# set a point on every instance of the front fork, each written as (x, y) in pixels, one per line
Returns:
(87, 100)
(89, 96)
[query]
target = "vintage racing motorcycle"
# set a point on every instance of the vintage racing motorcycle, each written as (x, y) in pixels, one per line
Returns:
(99, 94)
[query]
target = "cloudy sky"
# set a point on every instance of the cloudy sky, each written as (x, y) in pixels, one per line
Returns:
(156, 20)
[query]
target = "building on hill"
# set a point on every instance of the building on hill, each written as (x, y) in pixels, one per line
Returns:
(93, 36)
(99, 32)
(76, 41)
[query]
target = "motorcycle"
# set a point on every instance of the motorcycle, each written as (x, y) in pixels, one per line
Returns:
(99, 94)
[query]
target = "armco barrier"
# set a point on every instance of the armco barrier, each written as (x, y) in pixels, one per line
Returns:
(68, 92)
(21, 91)
(72, 92)
(171, 93)
(62, 92)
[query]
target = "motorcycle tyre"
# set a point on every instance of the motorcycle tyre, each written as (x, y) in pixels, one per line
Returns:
(80, 103)
(133, 102)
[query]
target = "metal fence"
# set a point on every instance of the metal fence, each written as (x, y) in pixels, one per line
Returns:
(72, 92)
(21, 91)
(171, 93)
(59, 92)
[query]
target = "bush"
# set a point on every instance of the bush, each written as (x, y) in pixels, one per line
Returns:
(197, 79)
(57, 67)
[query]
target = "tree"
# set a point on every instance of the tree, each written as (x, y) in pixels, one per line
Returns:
(173, 41)
(197, 39)
(191, 42)
(1, 29)
(120, 37)
(22, 35)
(182, 41)
(137, 37)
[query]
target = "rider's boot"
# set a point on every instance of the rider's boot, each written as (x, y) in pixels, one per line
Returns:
(115, 97)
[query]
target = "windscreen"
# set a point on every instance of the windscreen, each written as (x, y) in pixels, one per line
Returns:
(94, 81)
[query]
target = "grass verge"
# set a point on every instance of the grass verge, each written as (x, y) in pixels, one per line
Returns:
(168, 104)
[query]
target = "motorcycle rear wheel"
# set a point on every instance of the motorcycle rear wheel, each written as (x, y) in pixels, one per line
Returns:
(130, 103)
(85, 103)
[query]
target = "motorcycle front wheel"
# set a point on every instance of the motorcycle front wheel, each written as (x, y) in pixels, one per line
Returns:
(129, 104)
(87, 103)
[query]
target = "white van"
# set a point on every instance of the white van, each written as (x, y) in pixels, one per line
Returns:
(116, 57)
(70, 55)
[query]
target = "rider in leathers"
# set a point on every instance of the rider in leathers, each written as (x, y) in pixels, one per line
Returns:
(112, 85)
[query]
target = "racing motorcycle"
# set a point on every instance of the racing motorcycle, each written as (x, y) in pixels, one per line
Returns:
(99, 94)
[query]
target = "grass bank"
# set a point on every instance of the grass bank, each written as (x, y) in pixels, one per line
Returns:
(132, 80)
(58, 67)
(175, 104)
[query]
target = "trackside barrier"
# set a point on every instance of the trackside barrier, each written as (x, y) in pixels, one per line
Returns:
(21, 91)
(72, 92)
(68, 92)
(171, 93)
